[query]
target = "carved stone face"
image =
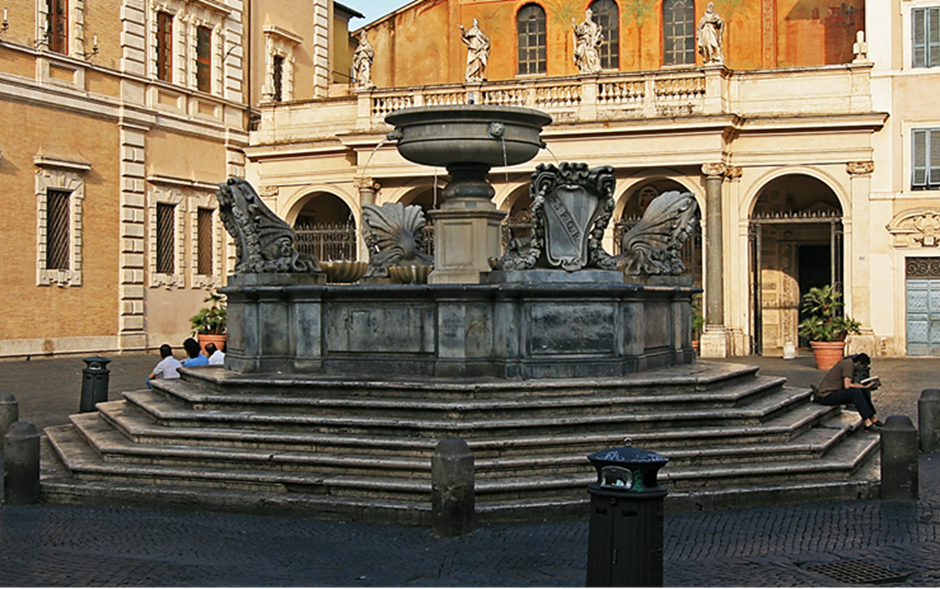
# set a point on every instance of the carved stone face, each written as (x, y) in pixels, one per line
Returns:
(588, 14)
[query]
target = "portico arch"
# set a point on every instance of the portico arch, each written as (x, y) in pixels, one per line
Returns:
(795, 243)
(325, 225)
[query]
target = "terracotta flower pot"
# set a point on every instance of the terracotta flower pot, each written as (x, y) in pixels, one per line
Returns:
(203, 339)
(827, 354)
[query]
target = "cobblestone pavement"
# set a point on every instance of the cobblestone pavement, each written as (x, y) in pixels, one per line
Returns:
(59, 545)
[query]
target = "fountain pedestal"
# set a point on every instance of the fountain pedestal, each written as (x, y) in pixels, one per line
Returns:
(465, 239)
(468, 141)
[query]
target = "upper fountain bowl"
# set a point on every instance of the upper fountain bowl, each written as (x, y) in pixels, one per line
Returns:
(461, 134)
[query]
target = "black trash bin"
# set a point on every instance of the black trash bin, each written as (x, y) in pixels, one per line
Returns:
(95, 379)
(625, 541)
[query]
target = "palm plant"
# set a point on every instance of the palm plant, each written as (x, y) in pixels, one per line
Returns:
(210, 320)
(824, 322)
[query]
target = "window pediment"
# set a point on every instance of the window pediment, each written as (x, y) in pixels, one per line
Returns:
(916, 228)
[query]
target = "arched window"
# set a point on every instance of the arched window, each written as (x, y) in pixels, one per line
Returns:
(530, 28)
(678, 32)
(607, 16)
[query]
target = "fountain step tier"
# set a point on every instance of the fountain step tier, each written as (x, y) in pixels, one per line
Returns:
(555, 328)
(336, 447)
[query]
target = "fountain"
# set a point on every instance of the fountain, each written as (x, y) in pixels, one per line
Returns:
(333, 397)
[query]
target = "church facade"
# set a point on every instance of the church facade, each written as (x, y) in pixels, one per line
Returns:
(805, 143)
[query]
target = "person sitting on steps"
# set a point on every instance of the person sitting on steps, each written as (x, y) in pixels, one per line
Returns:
(838, 388)
(195, 354)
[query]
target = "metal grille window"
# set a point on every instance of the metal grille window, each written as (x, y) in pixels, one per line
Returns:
(204, 241)
(165, 46)
(58, 32)
(277, 77)
(925, 30)
(607, 16)
(204, 59)
(166, 238)
(58, 221)
(530, 25)
(926, 159)
(678, 32)
(327, 242)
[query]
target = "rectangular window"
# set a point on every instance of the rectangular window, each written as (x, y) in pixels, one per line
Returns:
(58, 222)
(926, 159)
(166, 238)
(165, 46)
(678, 32)
(204, 241)
(58, 33)
(531, 38)
(204, 59)
(277, 77)
(925, 31)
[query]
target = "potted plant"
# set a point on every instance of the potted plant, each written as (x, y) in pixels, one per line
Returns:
(698, 322)
(824, 327)
(209, 323)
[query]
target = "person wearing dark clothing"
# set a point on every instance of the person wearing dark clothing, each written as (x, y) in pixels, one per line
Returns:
(838, 388)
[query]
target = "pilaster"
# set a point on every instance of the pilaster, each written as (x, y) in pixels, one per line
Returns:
(131, 333)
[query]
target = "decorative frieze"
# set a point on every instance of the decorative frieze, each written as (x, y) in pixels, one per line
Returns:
(916, 228)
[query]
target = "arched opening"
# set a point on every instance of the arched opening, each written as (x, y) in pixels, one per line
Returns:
(326, 228)
(636, 204)
(795, 244)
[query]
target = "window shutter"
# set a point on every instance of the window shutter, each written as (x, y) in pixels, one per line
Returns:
(920, 158)
(933, 152)
(919, 36)
(933, 36)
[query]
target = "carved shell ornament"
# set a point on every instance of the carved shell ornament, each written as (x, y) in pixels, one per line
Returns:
(394, 236)
(653, 246)
(264, 243)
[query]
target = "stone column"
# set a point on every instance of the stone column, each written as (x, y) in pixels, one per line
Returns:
(715, 339)
(367, 190)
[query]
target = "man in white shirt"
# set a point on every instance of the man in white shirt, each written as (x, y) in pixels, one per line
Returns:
(167, 367)
(216, 356)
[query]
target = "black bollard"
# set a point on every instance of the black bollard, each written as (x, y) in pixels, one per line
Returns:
(95, 379)
(900, 455)
(928, 420)
(9, 411)
(453, 506)
(21, 464)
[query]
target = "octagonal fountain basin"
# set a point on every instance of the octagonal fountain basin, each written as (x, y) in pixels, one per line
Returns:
(468, 133)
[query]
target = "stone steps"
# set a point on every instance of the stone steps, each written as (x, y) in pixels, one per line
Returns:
(458, 424)
(136, 425)
(297, 448)
(472, 406)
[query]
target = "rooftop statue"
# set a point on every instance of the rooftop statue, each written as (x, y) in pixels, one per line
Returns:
(394, 236)
(264, 243)
(571, 207)
(587, 43)
(711, 29)
(363, 57)
(653, 246)
(478, 51)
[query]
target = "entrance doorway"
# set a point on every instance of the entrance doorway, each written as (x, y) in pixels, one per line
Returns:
(795, 244)
(923, 306)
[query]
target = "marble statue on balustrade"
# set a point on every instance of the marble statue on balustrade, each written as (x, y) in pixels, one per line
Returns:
(478, 51)
(363, 57)
(653, 246)
(571, 207)
(394, 236)
(709, 35)
(587, 44)
(264, 243)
